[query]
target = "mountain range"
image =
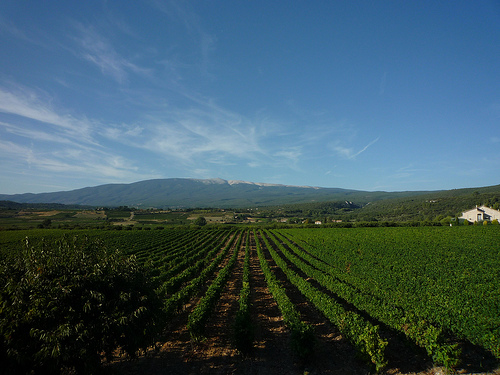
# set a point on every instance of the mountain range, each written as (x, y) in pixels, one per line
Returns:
(190, 193)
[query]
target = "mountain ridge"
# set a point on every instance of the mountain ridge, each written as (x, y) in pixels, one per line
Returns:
(188, 193)
(215, 192)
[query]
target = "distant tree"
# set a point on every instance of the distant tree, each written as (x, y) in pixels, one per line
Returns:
(446, 220)
(201, 221)
(45, 224)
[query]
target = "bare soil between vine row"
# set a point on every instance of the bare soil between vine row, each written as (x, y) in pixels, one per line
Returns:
(272, 353)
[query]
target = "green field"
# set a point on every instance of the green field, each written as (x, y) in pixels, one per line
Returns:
(437, 287)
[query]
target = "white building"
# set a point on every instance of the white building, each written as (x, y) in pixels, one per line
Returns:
(480, 214)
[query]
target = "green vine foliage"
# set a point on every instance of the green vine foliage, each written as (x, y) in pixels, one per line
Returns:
(66, 303)
(243, 328)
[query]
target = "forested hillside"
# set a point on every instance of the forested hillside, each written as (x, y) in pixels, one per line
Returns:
(424, 207)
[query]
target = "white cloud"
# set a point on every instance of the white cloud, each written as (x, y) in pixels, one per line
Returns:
(348, 152)
(292, 154)
(94, 48)
(97, 166)
(205, 134)
(344, 151)
(40, 135)
(196, 138)
(13, 149)
(42, 139)
(27, 103)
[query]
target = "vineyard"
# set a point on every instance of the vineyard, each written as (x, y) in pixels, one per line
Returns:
(317, 300)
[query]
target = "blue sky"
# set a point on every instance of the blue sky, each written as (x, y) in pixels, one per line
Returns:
(369, 95)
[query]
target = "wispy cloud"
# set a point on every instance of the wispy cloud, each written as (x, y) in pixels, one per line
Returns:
(39, 134)
(30, 104)
(96, 49)
(204, 134)
(204, 42)
(18, 152)
(9, 28)
(13, 149)
(46, 138)
(198, 138)
(94, 166)
(350, 153)
(291, 154)
(33, 36)
(49, 138)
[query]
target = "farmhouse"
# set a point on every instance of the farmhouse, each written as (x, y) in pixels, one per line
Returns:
(480, 214)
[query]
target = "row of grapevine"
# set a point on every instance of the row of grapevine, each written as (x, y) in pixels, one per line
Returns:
(166, 248)
(302, 335)
(185, 265)
(177, 248)
(143, 244)
(363, 335)
(179, 298)
(446, 278)
(424, 334)
(198, 317)
(243, 329)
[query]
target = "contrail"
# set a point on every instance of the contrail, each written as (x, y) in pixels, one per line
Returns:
(364, 149)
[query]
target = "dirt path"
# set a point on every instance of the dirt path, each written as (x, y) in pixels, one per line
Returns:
(272, 354)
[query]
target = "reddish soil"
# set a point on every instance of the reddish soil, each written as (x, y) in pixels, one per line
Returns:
(272, 354)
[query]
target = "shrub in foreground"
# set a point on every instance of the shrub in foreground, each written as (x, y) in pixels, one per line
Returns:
(68, 303)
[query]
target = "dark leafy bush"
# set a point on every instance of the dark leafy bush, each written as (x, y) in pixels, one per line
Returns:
(303, 339)
(71, 302)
